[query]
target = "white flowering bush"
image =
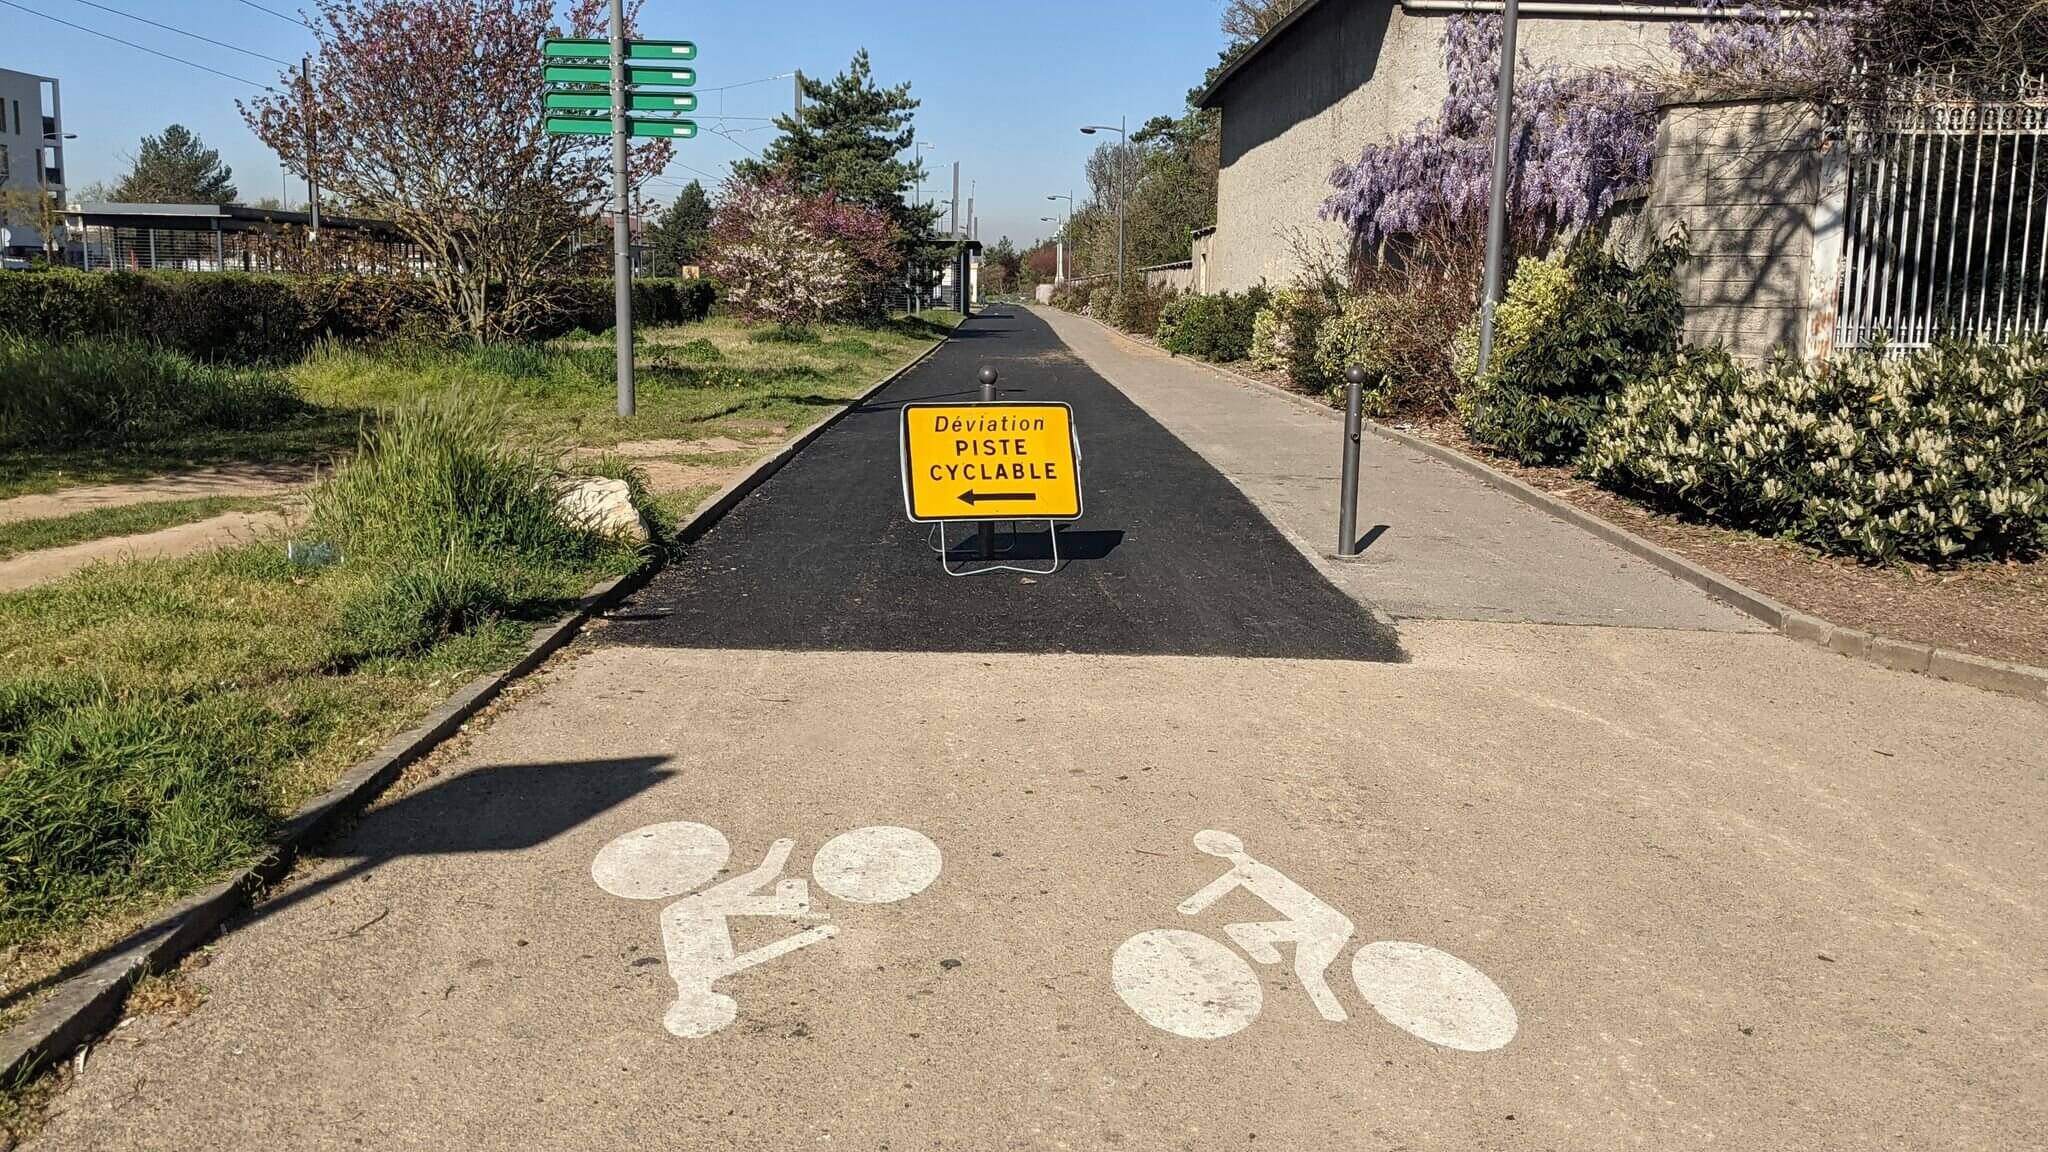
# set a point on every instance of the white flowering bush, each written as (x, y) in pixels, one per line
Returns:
(1937, 456)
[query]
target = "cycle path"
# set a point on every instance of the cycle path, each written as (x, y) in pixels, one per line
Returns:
(1612, 887)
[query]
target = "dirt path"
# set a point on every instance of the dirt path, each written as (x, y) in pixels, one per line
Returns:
(226, 480)
(50, 564)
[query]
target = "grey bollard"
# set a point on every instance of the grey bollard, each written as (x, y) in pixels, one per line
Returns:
(985, 531)
(1347, 493)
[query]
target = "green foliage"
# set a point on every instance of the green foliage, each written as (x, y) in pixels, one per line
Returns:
(176, 167)
(123, 391)
(1215, 327)
(1397, 338)
(847, 139)
(1613, 325)
(1935, 456)
(679, 236)
(256, 318)
(448, 527)
(1285, 332)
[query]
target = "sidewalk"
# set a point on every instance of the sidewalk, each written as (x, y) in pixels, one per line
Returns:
(1441, 546)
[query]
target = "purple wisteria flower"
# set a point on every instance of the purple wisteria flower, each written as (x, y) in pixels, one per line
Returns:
(1577, 141)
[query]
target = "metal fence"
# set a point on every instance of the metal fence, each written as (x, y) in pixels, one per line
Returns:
(1947, 222)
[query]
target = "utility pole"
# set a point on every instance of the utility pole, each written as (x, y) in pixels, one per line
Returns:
(312, 145)
(799, 95)
(1497, 204)
(622, 239)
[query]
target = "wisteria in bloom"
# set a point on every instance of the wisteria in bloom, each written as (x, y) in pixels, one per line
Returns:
(1761, 49)
(1577, 141)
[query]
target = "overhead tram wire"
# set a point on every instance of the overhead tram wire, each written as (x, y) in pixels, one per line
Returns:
(138, 47)
(188, 35)
(274, 12)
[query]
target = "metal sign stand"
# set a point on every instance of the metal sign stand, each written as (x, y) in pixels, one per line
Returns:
(985, 530)
(986, 554)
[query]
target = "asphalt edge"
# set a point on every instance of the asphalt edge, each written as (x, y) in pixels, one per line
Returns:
(1982, 672)
(85, 1005)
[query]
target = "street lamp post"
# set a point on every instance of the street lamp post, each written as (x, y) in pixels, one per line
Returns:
(1122, 131)
(1066, 234)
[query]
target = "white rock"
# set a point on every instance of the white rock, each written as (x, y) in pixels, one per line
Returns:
(603, 506)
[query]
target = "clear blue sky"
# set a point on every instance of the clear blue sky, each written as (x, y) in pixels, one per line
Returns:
(1005, 85)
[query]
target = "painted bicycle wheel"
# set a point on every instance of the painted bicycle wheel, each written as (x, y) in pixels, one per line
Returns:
(1186, 983)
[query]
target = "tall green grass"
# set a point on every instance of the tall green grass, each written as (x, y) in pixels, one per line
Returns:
(225, 688)
(112, 389)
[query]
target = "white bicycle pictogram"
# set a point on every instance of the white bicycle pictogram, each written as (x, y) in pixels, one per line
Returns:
(877, 865)
(1194, 986)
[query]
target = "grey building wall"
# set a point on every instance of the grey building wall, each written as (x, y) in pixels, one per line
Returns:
(1757, 187)
(22, 108)
(1348, 74)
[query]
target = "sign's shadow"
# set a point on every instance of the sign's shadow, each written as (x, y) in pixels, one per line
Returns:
(1013, 545)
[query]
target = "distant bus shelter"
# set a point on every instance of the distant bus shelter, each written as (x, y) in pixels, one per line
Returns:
(232, 238)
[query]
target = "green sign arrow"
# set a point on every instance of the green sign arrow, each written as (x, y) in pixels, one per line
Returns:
(566, 74)
(638, 72)
(602, 126)
(588, 49)
(635, 102)
(660, 50)
(577, 49)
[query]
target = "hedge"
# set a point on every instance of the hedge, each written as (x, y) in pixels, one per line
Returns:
(246, 318)
(1937, 456)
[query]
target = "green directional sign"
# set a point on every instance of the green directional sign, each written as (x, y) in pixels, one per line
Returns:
(660, 50)
(644, 128)
(585, 49)
(635, 102)
(574, 74)
(639, 72)
(577, 49)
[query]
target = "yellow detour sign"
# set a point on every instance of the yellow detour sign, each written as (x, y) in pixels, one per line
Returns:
(990, 462)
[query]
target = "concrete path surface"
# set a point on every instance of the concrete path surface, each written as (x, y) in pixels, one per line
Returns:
(811, 847)
(1442, 544)
(1738, 893)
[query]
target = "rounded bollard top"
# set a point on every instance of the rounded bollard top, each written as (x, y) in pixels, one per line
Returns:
(1354, 375)
(988, 376)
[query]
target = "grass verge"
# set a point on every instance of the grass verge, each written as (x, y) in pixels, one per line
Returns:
(126, 520)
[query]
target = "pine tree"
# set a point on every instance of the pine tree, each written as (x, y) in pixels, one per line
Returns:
(847, 140)
(176, 167)
(678, 237)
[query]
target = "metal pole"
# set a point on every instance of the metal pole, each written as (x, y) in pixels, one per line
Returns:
(1347, 492)
(622, 240)
(312, 144)
(1123, 141)
(1497, 205)
(985, 531)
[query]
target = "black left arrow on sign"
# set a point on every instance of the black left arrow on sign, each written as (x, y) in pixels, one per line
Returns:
(971, 497)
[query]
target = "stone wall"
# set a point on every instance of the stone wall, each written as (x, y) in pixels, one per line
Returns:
(1758, 188)
(1179, 276)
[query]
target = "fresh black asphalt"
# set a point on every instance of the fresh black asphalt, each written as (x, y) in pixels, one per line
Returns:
(1170, 559)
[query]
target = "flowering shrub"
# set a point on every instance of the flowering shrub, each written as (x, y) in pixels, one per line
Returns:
(1761, 50)
(1935, 456)
(1284, 334)
(1535, 297)
(1575, 344)
(1578, 140)
(797, 258)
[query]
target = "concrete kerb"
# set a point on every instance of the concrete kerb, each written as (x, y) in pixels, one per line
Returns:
(86, 1004)
(1902, 655)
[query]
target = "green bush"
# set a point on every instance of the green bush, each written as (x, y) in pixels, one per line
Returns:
(1615, 324)
(1397, 339)
(122, 391)
(1135, 306)
(1215, 327)
(1284, 335)
(1935, 456)
(248, 318)
(446, 528)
